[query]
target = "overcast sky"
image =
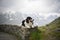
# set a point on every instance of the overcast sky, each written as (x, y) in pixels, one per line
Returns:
(43, 9)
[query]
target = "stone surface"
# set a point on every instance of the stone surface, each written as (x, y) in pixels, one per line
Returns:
(6, 36)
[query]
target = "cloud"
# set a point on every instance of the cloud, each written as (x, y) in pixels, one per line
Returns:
(41, 6)
(27, 6)
(3, 18)
(17, 17)
(46, 15)
(11, 19)
(43, 11)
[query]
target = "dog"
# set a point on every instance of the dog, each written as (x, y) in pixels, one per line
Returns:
(28, 22)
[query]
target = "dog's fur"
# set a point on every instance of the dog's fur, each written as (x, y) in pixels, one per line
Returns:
(28, 22)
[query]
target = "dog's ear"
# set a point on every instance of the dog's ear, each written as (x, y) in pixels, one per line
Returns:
(23, 23)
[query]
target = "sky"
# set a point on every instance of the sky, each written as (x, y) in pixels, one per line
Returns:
(42, 11)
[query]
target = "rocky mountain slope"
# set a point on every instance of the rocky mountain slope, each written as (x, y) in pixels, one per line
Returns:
(17, 31)
(51, 31)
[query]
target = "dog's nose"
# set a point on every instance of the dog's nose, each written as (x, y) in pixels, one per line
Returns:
(33, 20)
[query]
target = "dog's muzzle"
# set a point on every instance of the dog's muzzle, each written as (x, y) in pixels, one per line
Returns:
(31, 20)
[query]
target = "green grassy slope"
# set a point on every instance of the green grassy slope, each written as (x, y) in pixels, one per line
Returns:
(54, 29)
(35, 34)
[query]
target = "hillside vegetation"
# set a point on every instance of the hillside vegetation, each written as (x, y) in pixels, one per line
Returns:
(49, 32)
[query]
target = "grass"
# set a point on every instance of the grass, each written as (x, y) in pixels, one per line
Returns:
(35, 35)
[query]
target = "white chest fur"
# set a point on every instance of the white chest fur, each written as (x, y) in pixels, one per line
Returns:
(28, 25)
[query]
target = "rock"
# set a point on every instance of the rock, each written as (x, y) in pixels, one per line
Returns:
(21, 33)
(6, 36)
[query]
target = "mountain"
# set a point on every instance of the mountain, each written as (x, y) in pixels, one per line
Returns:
(55, 24)
(52, 30)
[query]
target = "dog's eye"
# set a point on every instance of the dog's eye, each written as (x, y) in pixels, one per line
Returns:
(30, 21)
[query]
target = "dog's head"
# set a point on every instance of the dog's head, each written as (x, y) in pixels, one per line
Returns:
(27, 22)
(29, 19)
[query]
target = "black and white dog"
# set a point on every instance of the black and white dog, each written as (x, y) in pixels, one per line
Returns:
(28, 22)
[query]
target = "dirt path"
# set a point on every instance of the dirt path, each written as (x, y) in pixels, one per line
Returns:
(6, 36)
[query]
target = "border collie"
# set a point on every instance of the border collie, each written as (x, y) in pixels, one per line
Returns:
(28, 22)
